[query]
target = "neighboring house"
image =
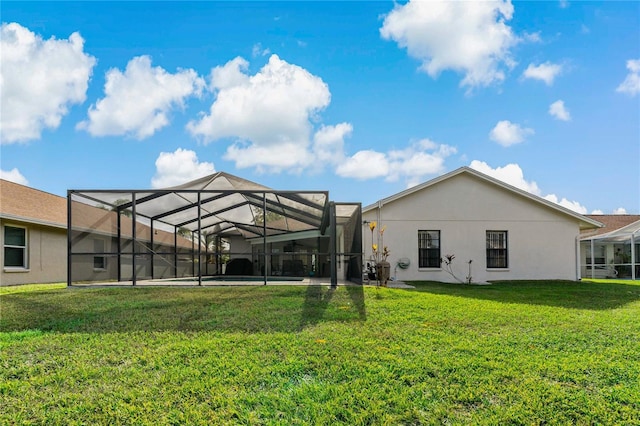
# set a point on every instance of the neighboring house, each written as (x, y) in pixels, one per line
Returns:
(34, 239)
(612, 251)
(33, 235)
(506, 233)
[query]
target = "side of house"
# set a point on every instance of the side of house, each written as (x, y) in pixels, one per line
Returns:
(495, 231)
(33, 235)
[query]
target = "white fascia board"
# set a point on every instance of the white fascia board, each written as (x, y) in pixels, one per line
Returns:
(10, 217)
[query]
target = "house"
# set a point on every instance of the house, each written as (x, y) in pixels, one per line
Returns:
(494, 230)
(33, 235)
(612, 251)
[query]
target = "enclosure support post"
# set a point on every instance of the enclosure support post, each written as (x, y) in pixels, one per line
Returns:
(175, 251)
(592, 258)
(69, 238)
(333, 240)
(199, 241)
(193, 256)
(633, 257)
(264, 235)
(119, 243)
(134, 271)
(151, 250)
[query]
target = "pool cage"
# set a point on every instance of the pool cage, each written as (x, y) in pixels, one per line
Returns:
(614, 254)
(219, 227)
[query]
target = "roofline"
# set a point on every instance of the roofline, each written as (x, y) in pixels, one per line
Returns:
(489, 179)
(10, 217)
(623, 230)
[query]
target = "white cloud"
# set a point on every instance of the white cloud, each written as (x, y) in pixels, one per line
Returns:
(258, 50)
(178, 167)
(469, 37)
(138, 101)
(230, 74)
(571, 205)
(413, 163)
(328, 143)
(620, 210)
(364, 165)
(559, 111)
(597, 211)
(514, 176)
(14, 175)
(511, 174)
(507, 133)
(546, 72)
(532, 37)
(269, 115)
(631, 84)
(39, 80)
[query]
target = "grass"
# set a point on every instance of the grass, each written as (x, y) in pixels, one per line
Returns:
(509, 353)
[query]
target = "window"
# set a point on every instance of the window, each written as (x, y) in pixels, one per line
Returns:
(99, 262)
(15, 247)
(497, 255)
(428, 249)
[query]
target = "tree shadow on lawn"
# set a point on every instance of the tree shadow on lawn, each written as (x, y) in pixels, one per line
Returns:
(109, 310)
(565, 294)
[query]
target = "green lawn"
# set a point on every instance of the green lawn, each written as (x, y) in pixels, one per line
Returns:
(507, 353)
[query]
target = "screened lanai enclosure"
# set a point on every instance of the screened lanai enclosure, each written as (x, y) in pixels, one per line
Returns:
(215, 229)
(614, 254)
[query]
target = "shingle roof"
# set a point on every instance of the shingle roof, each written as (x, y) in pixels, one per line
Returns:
(31, 205)
(23, 203)
(611, 223)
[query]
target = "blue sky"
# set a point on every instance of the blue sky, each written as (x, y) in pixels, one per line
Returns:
(359, 98)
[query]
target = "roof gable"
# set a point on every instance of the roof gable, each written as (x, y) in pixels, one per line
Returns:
(584, 221)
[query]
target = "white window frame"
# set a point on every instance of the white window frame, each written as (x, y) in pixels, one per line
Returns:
(25, 248)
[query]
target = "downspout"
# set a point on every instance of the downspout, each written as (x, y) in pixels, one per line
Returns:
(578, 275)
(379, 220)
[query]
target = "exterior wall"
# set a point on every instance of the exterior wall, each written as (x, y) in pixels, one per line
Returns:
(46, 255)
(239, 248)
(541, 241)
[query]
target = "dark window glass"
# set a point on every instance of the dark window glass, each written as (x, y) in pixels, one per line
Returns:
(428, 249)
(15, 247)
(497, 254)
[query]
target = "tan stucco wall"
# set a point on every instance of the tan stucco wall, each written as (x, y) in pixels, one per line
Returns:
(47, 255)
(541, 240)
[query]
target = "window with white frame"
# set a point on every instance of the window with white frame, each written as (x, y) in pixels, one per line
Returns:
(428, 249)
(497, 249)
(99, 260)
(15, 247)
